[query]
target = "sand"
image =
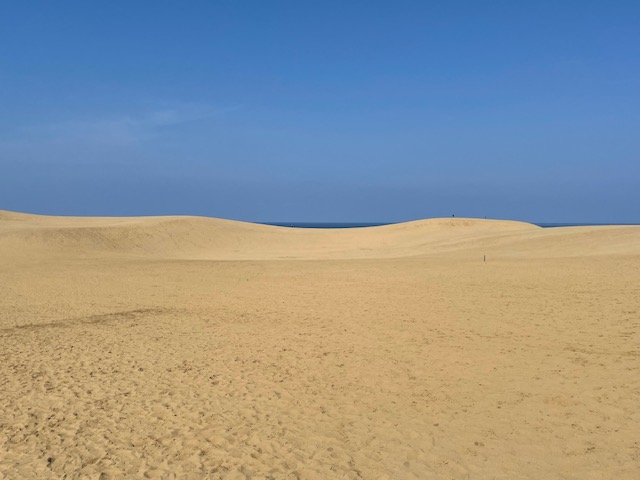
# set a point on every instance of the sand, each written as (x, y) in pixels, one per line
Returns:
(186, 347)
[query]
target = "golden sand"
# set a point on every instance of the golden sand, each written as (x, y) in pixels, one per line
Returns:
(186, 347)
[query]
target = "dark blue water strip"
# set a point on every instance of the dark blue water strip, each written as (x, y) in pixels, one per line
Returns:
(365, 224)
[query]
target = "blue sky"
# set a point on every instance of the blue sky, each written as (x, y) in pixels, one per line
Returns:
(322, 111)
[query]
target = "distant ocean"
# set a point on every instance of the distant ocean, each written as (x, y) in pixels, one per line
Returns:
(324, 224)
(365, 224)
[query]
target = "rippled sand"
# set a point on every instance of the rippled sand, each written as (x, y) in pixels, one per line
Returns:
(181, 347)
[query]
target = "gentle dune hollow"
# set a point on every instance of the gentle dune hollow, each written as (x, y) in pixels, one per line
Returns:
(191, 347)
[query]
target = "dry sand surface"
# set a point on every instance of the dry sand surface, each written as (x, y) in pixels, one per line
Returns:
(185, 347)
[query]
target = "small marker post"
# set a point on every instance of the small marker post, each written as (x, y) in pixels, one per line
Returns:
(484, 258)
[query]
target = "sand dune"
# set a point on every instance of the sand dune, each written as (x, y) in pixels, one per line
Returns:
(190, 347)
(209, 238)
(217, 239)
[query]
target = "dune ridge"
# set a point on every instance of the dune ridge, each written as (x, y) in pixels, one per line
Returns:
(187, 237)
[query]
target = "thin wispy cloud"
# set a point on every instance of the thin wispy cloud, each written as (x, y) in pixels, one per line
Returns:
(112, 130)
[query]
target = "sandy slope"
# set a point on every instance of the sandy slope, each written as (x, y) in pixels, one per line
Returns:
(201, 238)
(187, 347)
(216, 239)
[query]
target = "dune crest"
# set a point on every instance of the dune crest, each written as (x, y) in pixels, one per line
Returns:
(187, 237)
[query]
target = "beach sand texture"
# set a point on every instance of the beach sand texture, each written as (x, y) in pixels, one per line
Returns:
(190, 347)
